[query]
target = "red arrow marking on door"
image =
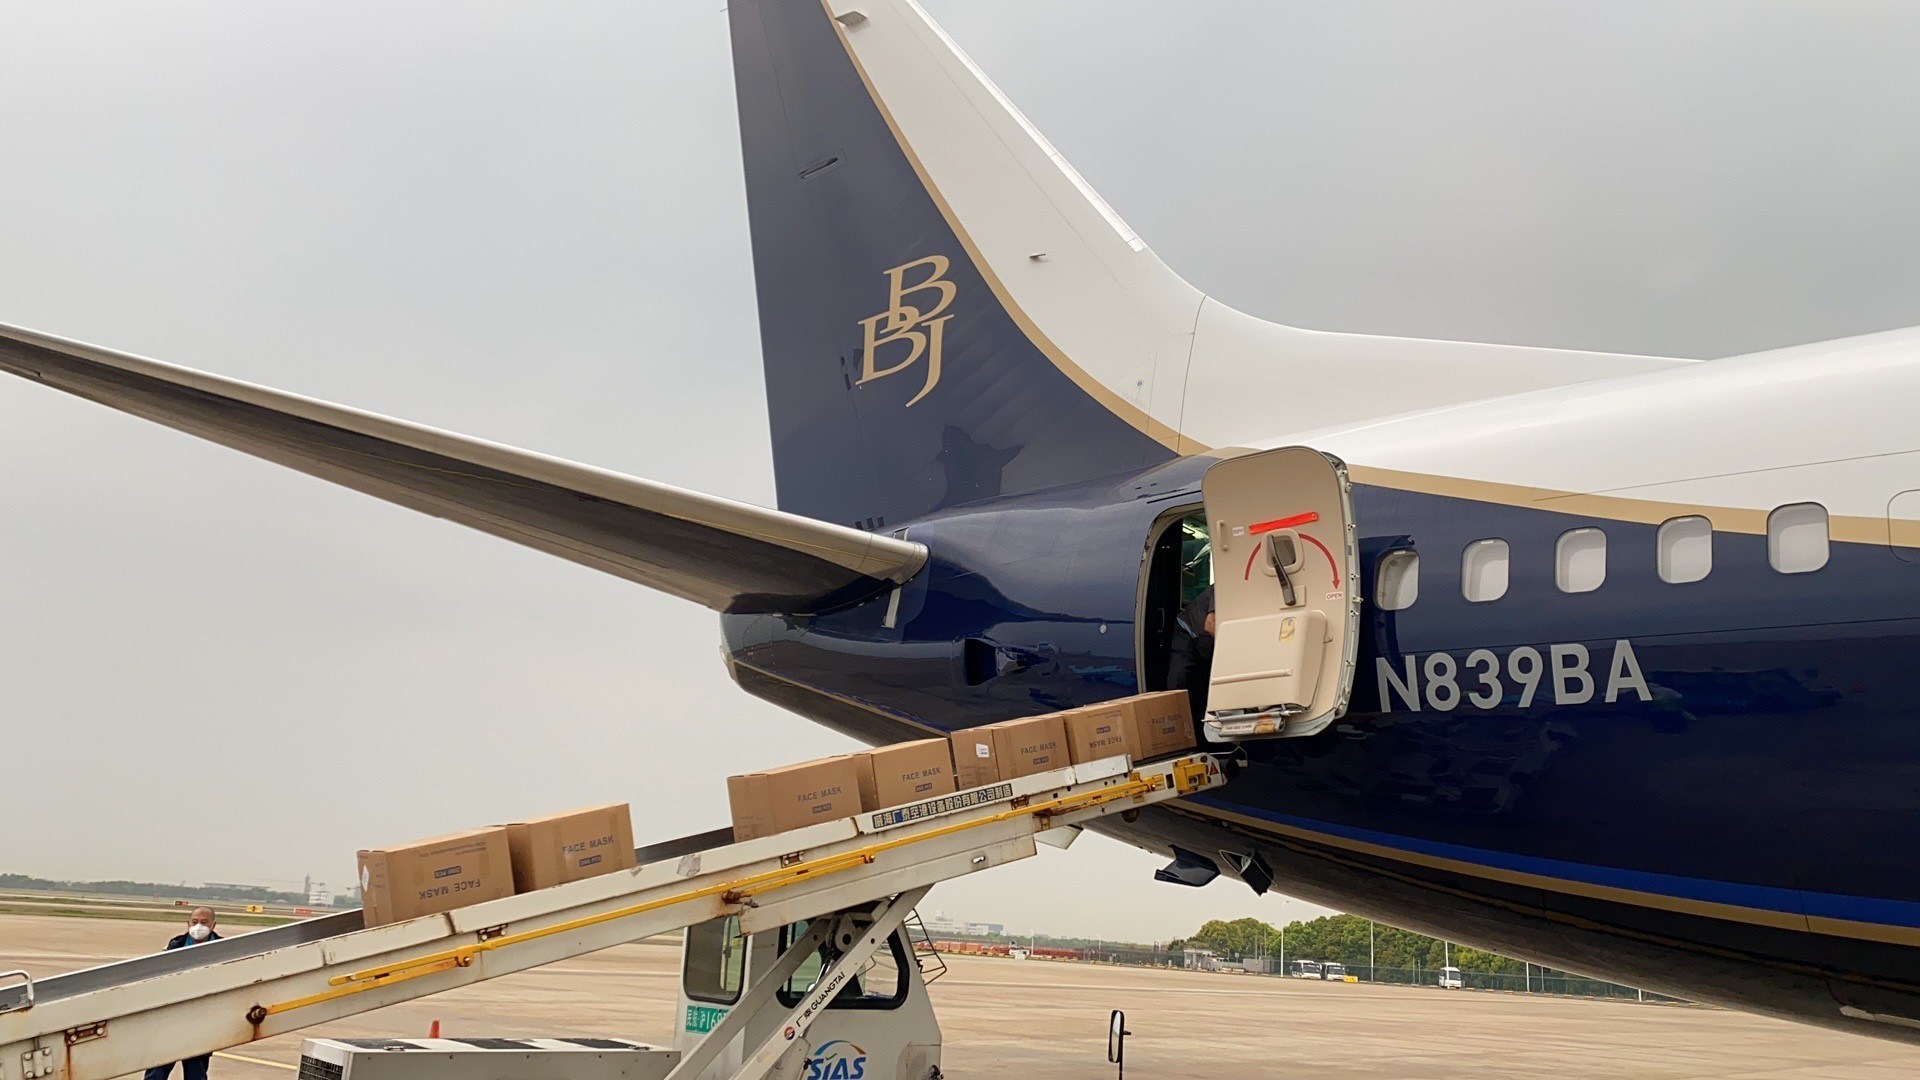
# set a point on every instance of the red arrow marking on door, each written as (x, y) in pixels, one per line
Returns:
(1328, 554)
(1247, 574)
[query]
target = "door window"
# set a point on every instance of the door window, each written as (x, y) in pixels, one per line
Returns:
(716, 961)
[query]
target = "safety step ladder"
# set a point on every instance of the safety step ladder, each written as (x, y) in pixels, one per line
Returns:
(931, 964)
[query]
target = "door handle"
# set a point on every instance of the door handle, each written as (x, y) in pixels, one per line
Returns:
(1281, 553)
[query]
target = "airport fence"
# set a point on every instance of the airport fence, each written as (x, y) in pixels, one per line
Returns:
(1536, 982)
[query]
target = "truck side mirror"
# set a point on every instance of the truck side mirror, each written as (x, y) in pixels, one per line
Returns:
(1117, 1040)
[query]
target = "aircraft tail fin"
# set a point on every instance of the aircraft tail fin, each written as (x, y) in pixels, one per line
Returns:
(949, 312)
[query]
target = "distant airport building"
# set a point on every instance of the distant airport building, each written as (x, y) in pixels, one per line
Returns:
(941, 923)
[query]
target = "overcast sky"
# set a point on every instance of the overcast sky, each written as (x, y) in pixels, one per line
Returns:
(527, 223)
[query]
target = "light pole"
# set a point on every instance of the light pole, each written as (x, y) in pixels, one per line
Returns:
(1370, 967)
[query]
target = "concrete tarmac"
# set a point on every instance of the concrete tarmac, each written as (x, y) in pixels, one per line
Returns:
(1008, 1018)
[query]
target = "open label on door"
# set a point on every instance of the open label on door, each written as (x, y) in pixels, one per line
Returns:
(1286, 601)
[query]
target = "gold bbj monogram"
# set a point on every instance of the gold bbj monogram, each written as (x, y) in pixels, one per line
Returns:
(922, 331)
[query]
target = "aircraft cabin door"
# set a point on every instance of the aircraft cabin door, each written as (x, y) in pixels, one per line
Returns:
(1286, 599)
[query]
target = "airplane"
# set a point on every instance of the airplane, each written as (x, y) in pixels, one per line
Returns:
(1588, 658)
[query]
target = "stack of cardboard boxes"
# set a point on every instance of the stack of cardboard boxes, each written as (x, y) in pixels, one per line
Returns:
(447, 872)
(1141, 727)
(793, 796)
(425, 877)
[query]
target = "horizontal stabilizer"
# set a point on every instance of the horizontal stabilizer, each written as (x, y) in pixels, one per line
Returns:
(728, 556)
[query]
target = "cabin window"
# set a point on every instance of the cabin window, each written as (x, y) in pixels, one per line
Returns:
(1483, 570)
(1797, 538)
(1580, 560)
(1685, 549)
(1396, 582)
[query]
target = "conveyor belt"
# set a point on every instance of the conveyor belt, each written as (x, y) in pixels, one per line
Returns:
(13, 995)
(111, 1020)
(164, 963)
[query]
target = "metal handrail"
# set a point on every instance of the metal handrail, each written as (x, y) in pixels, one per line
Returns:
(24, 1003)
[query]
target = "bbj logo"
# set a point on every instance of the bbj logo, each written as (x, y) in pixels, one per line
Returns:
(921, 331)
(837, 1060)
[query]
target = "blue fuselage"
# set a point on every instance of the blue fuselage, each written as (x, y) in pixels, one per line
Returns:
(1705, 789)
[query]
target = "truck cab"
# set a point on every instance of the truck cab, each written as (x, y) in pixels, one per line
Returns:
(880, 1026)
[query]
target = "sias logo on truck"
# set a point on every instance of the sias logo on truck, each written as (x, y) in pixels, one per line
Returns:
(837, 1060)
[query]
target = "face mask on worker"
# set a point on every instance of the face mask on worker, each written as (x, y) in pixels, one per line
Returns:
(199, 931)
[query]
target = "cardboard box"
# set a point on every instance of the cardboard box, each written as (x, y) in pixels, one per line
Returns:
(975, 763)
(1099, 732)
(439, 874)
(905, 772)
(1009, 749)
(1143, 727)
(1163, 722)
(793, 796)
(559, 848)
(1031, 744)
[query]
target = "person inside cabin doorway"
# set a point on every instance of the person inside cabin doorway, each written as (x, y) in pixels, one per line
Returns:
(1192, 665)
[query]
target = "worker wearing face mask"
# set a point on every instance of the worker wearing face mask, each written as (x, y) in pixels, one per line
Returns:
(199, 931)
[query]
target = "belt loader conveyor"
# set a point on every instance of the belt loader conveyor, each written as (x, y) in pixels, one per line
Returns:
(119, 1018)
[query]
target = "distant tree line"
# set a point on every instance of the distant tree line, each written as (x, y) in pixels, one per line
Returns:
(1339, 938)
(151, 890)
(1342, 939)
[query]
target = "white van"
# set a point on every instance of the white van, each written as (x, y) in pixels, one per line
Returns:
(1450, 978)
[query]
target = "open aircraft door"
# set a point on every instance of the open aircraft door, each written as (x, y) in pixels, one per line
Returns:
(1286, 599)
